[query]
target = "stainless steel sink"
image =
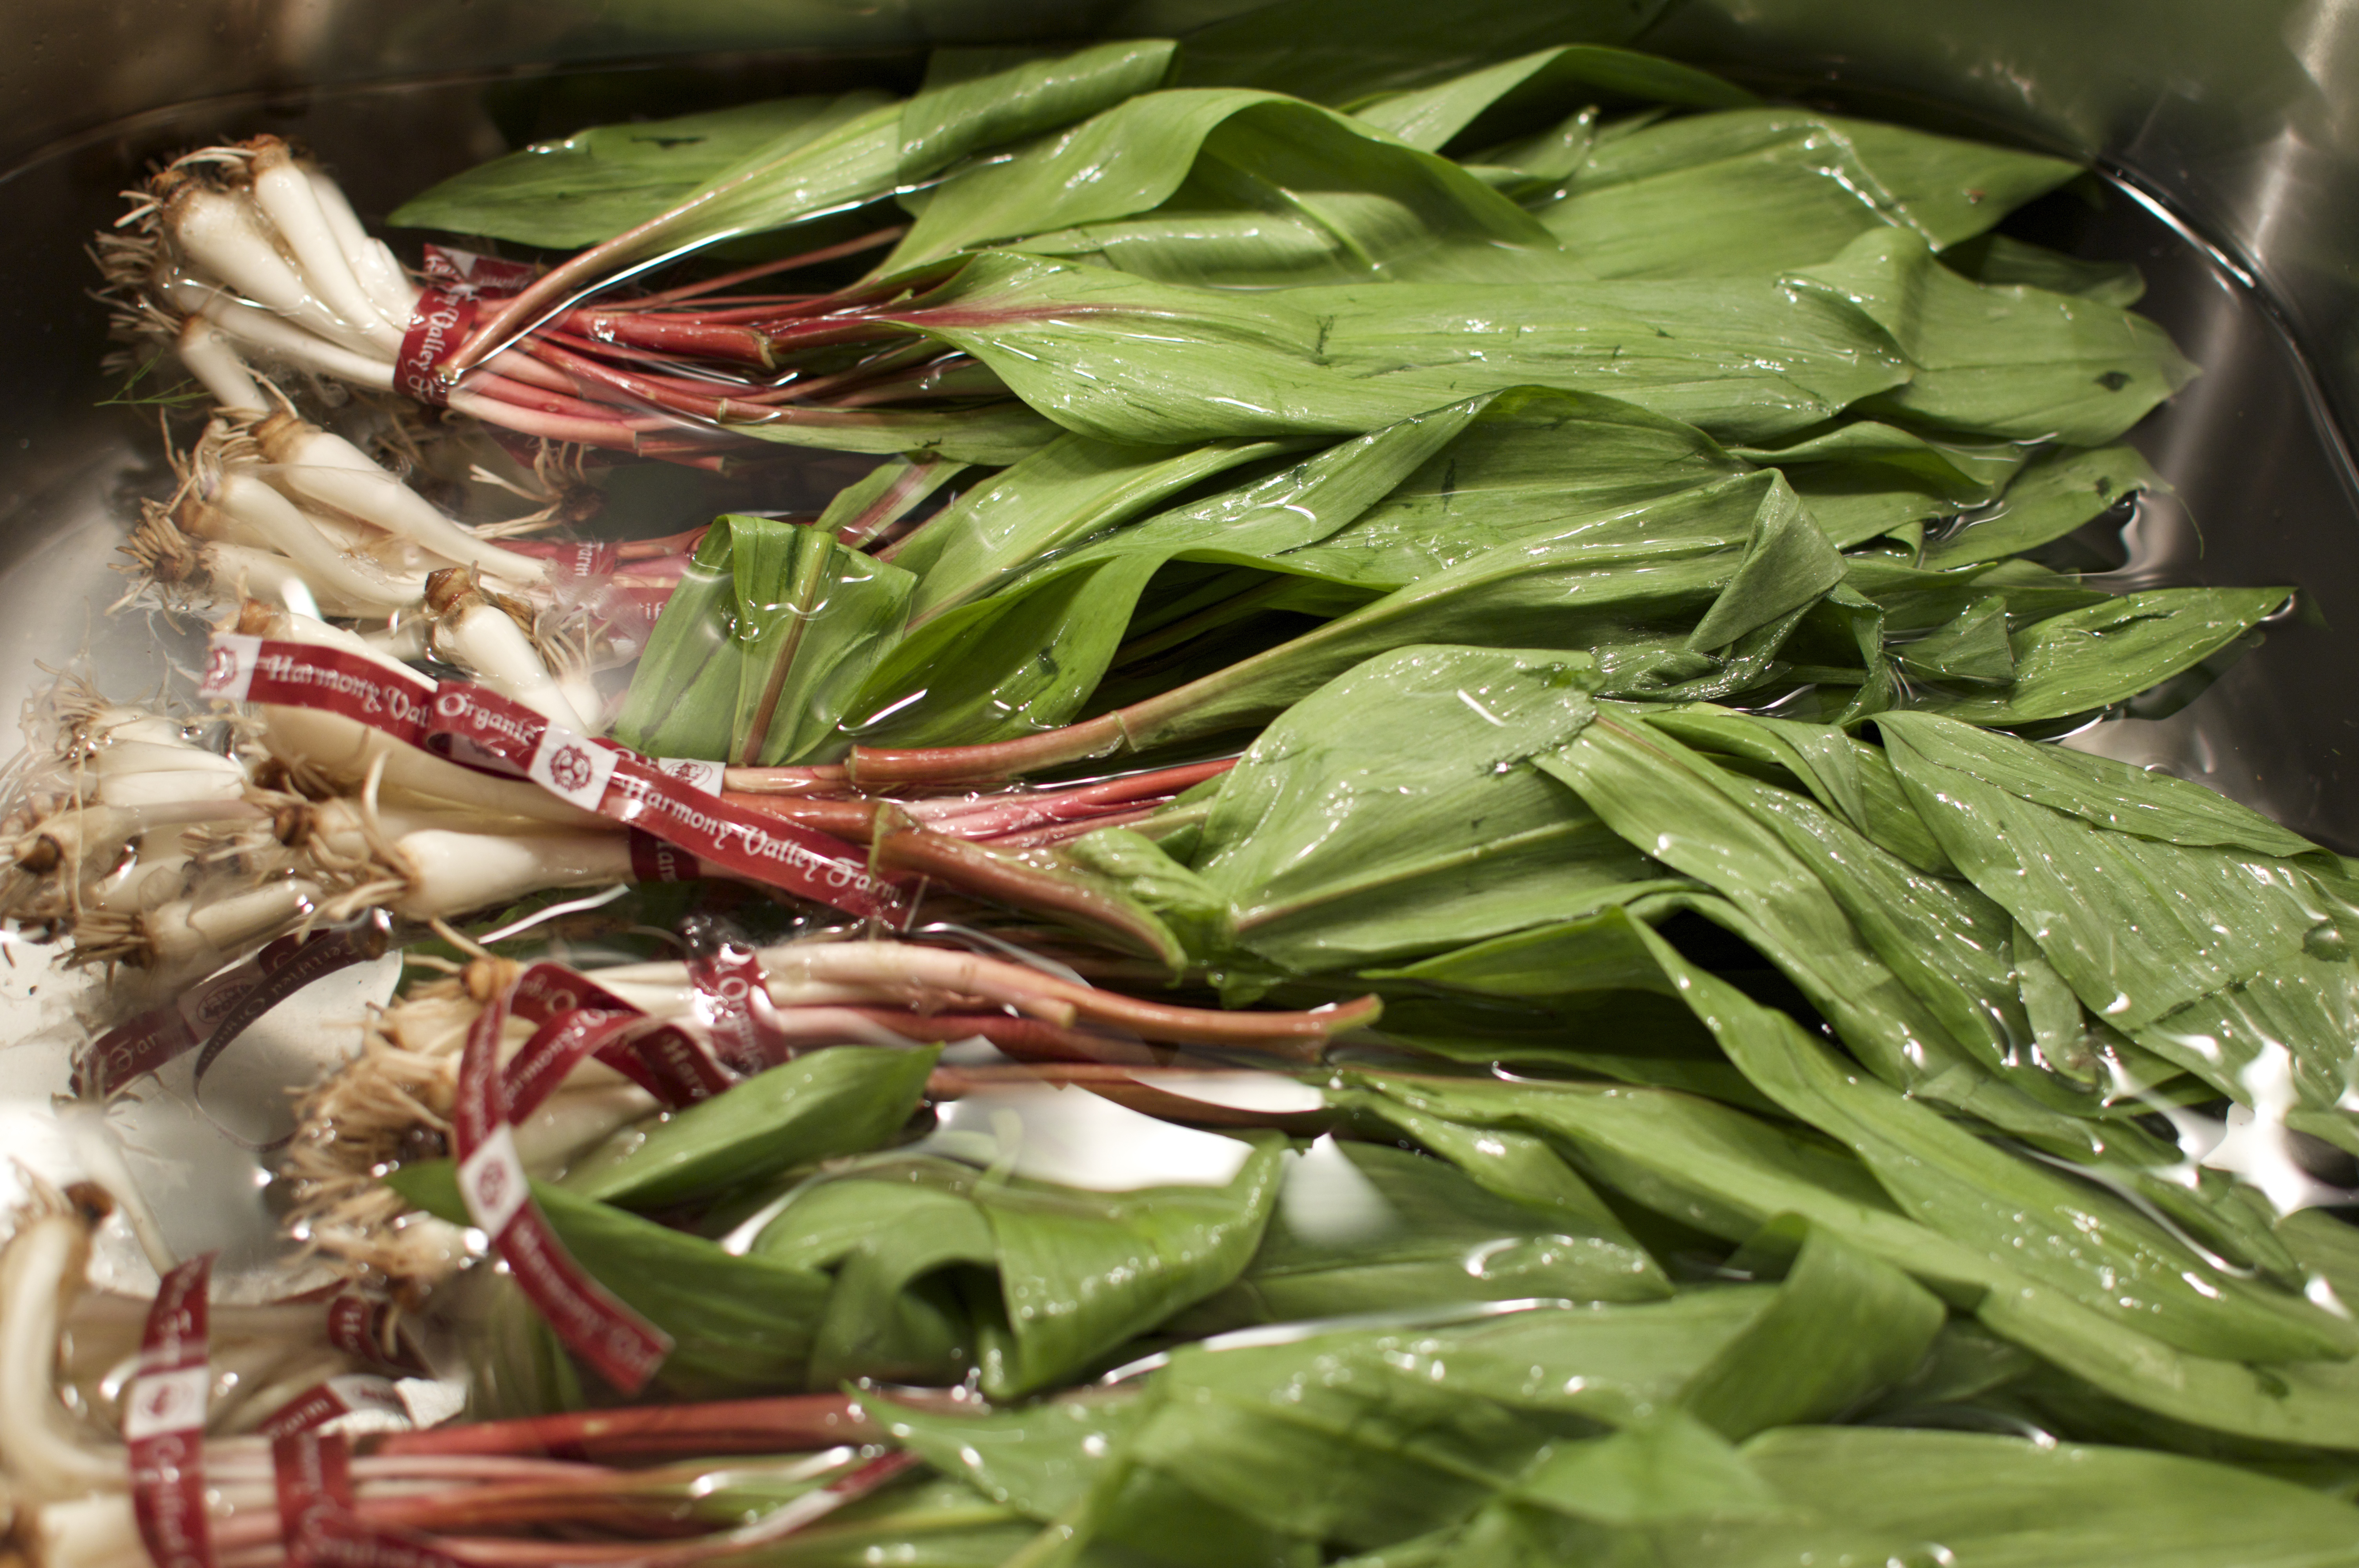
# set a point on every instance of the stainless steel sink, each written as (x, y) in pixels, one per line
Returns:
(2228, 132)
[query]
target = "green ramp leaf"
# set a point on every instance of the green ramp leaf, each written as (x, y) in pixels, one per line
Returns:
(1753, 189)
(2012, 361)
(844, 1100)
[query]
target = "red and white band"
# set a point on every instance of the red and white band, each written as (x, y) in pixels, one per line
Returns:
(674, 801)
(163, 1420)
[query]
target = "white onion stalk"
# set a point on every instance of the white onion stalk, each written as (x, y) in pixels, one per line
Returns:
(448, 874)
(253, 328)
(230, 572)
(245, 496)
(226, 237)
(210, 356)
(286, 197)
(327, 468)
(345, 752)
(381, 277)
(41, 1271)
(190, 936)
(89, 841)
(484, 639)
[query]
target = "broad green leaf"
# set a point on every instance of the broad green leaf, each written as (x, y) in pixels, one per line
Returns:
(991, 433)
(845, 1101)
(1671, 1467)
(1954, 469)
(887, 493)
(2055, 495)
(1123, 359)
(2003, 1499)
(738, 1326)
(2103, 792)
(2012, 361)
(1380, 203)
(1529, 465)
(1030, 656)
(1077, 1272)
(2188, 927)
(1719, 1170)
(1883, 1495)
(597, 183)
(1365, 1228)
(1470, 512)
(1919, 975)
(1844, 1328)
(2086, 659)
(1361, 1439)
(1750, 189)
(2074, 1238)
(1863, 479)
(1057, 497)
(1041, 1459)
(756, 666)
(1512, 1165)
(1496, 102)
(691, 650)
(976, 98)
(1912, 601)
(1972, 650)
(814, 618)
(1730, 1174)
(1047, 1458)
(1652, 791)
(1080, 1273)
(2000, 260)
(1391, 813)
(1846, 775)
(1639, 614)
(704, 177)
(1652, 1041)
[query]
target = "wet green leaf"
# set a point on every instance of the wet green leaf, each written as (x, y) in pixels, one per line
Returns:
(2207, 934)
(738, 1326)
(1366, 1228)
(1496, 102)
(1364, 205)
(1341, 838)
(2049, 500)
(597, 183)
(2012, 361)
(1077, 1272)
(975, 98)
(1750, 189)
(2086, 659)
(845, 1101)
(1125, 359)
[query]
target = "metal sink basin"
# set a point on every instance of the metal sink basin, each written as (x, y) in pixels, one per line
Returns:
(2228, 134)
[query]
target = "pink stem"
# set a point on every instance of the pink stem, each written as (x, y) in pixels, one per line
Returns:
(1041, 837)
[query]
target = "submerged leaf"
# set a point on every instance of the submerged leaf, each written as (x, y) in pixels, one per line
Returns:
(2013, 362)
(596, 183)
(1068, 1274)
(975, 98)
(1125, 359)
(1370, 204)
(2107, 653)
(844, 1100)
(1747, 189)
(2207, 934)
(1392, 813)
